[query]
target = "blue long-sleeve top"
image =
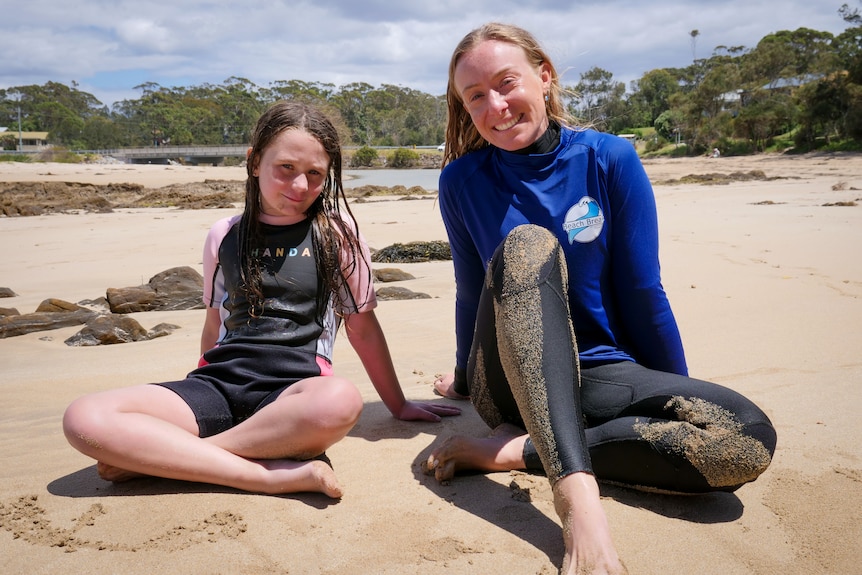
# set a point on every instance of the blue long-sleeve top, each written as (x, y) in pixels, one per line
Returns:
(594, 195)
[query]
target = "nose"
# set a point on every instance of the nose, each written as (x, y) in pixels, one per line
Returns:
(497, 101)
(300, 182)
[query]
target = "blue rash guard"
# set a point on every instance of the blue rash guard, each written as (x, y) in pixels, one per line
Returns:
(594, 195)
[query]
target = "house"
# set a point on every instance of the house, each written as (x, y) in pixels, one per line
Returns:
(23, 141)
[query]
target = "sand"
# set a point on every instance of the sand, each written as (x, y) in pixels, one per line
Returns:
(766, 283)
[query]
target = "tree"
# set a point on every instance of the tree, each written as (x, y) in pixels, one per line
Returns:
(599, 98)
(351, 102)
(694, 34)
(650, 95)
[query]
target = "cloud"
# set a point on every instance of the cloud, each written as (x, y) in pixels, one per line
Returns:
(100, 43)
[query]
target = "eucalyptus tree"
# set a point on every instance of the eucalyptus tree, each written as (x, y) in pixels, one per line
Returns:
(599, 100)
(240, 102)
(650, 95)
(351, 101)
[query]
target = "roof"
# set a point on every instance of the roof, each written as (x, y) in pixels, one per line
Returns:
(25, 135)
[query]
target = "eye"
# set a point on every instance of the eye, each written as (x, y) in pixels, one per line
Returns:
(473, 97)
(508, 83)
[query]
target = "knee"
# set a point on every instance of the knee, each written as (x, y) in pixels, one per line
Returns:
(529, 256)
(82, 425)
(530, 243)
(341, 404)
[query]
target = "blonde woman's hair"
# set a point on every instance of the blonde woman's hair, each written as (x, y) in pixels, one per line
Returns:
(462, 137)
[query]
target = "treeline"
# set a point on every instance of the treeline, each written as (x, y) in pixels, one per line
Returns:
(799, 88)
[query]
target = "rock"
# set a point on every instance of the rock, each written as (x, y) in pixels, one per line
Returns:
(387, 275)
(162, 330)
(396, 292)
(413, 252)
(131, 299)
(178, 288)
(14, 325)
(6, 292)
(4, 311)
(173, 289)
(54, 305)
(109, 329)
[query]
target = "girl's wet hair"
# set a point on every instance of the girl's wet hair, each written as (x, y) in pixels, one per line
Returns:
(462, 137)
(334, 229)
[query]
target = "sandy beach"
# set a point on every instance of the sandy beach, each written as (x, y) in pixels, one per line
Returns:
(765, 278)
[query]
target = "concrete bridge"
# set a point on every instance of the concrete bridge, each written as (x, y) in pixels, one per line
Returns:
(188, 154)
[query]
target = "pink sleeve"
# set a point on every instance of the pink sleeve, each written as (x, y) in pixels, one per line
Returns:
(360, 280)
(213, 278)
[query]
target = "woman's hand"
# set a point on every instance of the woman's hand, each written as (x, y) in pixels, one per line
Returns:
(444, 386)
(420, 411)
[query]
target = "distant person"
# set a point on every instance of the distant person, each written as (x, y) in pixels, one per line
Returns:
(263, 405)
(566, 343)
(716, 153)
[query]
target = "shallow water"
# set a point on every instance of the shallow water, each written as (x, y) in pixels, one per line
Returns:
(426, 178)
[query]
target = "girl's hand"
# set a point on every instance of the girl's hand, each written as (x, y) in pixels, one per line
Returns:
(444, 386)
(420, 411)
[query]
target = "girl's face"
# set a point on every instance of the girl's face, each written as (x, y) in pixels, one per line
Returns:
(503, 93)
(291, 173)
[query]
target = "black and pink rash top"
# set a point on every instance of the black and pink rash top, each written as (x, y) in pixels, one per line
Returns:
(290, 285)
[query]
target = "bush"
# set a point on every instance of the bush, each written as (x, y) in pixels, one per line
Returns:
(734, 147)
(654, 144)
(404, 158)
(364, 157)
(58, 154)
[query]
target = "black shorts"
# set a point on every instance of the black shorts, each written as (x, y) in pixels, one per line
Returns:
(238, 381)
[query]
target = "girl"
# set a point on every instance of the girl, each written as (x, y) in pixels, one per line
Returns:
(263, 405)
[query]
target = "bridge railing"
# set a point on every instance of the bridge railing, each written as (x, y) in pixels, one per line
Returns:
(178, 152)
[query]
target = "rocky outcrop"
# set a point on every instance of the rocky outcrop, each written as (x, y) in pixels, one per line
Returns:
(106, 320)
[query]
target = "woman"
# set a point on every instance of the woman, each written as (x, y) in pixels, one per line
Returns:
(554, 235)
(263, 405)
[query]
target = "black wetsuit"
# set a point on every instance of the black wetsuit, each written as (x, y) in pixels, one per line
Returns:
(588, 267)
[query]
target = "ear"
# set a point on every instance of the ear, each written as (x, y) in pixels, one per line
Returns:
(545, 76)
(247, 157)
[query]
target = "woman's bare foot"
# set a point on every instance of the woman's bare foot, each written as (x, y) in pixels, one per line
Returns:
(502, 450)
(444, 386)
(115, 474)
(586, 533)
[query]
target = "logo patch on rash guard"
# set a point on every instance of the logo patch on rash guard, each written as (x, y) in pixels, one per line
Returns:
(584, 221)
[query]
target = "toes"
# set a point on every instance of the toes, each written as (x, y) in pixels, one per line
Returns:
(444, 473)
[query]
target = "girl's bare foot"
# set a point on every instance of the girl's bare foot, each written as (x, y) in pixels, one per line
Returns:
(586, 533)
(289, 476)
(502, 450)
(115, 474)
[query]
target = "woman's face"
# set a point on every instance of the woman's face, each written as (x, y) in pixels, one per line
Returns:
(503, 93)
(291, 173)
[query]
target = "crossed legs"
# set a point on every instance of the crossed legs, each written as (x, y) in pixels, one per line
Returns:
(150, 430)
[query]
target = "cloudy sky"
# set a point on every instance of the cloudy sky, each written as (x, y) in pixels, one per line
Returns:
(110, 46)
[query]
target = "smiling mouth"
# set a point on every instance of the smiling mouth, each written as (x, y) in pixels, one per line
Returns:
(509, 124)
